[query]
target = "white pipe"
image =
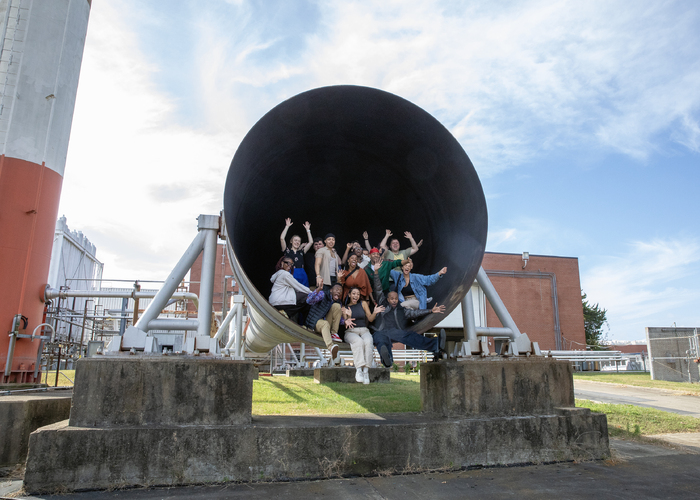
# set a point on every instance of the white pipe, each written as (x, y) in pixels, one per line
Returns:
(468, 316)
(227, 320)
(238, 349)
(486, 331)
(52, 293)
(53, 332)
(497, 304)
(172, 282)
(231, 341)
(206, 286)
(173, 324)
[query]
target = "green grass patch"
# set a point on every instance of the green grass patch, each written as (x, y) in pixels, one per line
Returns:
(629, 420)
(65, 378)
(302, 396)
(639, 379)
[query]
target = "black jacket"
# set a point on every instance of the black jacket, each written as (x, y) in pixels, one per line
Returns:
(402, 316)
(319, 310)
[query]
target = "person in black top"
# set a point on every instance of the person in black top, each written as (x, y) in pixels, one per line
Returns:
(295, 250)
(394, 322)
(357, 317)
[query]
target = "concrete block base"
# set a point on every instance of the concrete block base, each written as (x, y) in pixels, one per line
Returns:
(20, 415)
(346, 374)
(142, 390)
(496, 386)
(301, 372)
(63, 458)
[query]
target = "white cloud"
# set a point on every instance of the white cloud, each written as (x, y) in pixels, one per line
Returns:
(651, 285)
(127, 154)
(509, 82)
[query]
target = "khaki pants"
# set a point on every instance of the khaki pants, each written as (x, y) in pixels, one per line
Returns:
(360, 341)
(329, 325)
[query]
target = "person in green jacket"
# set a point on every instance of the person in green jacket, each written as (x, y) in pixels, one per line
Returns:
(384, 270)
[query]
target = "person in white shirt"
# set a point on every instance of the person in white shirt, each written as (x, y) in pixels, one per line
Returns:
(287, 293)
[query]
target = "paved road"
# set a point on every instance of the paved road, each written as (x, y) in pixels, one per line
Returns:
(662, 399)
(636, 471)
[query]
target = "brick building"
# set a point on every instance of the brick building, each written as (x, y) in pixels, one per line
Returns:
(543, 295)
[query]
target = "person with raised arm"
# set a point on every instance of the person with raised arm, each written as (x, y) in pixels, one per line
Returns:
(357, 317)
(354, 277)
(310, 261)
(411, 287)
(354, 248)
(383, 270)
(394, 325)
(393, 252)
(295, 250)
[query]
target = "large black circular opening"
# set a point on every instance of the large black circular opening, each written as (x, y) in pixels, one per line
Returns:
(350, 159)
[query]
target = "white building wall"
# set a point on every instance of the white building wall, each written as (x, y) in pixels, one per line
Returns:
(454, 319)
(73, 260)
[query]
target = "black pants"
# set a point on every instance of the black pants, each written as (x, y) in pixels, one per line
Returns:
(409, 339)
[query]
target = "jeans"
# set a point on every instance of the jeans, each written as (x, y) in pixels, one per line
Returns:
(409, 339)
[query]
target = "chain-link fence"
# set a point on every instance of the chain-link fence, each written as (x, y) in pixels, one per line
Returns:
(674, 354)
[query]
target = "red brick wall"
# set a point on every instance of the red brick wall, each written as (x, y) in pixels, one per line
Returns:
(528, 298)
(631, 348)
(223, 268)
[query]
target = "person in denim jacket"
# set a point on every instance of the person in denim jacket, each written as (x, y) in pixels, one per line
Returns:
(411, 287)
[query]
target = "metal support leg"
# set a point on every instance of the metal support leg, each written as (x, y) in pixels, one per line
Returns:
(468, 316)
(209, 225)
(238, 345)
(172, 282)
(496, 302)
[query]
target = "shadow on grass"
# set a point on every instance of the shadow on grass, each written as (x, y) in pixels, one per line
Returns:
(400, 395)
(286, 390)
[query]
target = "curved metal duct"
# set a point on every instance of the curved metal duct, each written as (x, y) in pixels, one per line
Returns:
(350, 159)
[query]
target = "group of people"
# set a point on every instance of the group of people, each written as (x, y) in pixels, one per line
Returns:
(368, 298)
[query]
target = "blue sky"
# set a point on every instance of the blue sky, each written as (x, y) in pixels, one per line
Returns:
(581, 118)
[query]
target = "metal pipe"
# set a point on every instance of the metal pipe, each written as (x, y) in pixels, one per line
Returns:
(58, 368)
(209, 226)
(52, 293)
(468, 316)
(238, 301)
(497, 304)
(226, 322)
(82, 332)
(172, 282)
(230, 344)
(486, 331)
(174, 324)
(10, 354)
(137, 288)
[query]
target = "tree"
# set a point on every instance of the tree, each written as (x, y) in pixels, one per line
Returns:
(593, 321)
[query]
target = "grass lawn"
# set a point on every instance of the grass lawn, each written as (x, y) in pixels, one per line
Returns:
(65, 378)
(302, 396)
(639, 379)
(630, 421)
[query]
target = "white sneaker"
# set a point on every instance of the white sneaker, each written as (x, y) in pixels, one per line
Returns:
(359, 377)
(365, 375)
